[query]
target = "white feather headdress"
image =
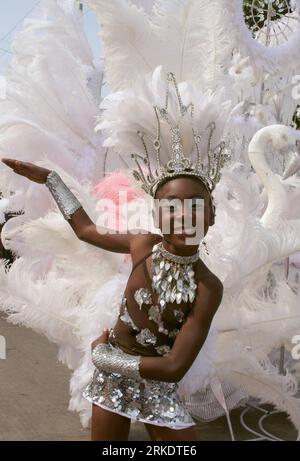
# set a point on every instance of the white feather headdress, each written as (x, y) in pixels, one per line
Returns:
(174, 129)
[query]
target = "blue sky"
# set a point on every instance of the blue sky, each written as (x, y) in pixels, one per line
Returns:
(13, 11)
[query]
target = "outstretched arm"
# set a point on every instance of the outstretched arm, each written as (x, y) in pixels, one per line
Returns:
(88, 232)
(71, 208)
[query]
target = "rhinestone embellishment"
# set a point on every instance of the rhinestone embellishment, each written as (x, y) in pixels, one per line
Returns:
(142, 296)
(163, 350)
(179, 315)
(126, 318)
(173, 276)
(146, 337)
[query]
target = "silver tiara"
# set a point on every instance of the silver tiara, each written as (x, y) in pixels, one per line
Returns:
(207, 165)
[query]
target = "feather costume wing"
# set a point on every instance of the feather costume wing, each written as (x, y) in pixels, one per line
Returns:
(190, 37)
(47, 118)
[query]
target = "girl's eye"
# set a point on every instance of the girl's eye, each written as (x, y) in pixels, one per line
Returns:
(169, 206)
(196, 205)
(169, 209)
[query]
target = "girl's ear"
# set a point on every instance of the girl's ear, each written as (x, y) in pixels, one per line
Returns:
(212, 213)
(212, 217)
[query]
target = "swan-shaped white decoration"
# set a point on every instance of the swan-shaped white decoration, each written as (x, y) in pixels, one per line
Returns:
(281, 139)
(274, 235)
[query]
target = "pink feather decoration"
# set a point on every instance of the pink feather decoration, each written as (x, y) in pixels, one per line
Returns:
(110, 188)
(112, 184)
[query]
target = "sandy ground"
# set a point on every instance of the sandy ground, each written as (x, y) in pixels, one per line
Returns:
(34, 395)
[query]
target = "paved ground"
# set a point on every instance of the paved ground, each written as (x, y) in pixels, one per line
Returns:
(34, 398)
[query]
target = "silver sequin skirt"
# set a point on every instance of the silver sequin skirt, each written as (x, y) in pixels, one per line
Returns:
(144, 400)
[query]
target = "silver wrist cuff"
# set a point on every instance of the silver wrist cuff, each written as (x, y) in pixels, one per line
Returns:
(65, 199)
(105, 358)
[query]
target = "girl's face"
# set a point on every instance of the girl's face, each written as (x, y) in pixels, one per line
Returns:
(183, 211)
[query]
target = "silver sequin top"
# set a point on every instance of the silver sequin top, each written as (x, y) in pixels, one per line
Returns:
(150, 332)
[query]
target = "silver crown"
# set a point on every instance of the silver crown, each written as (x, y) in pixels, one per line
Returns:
(207, 169)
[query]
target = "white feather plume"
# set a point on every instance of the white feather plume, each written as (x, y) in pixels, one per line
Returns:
(188, 37)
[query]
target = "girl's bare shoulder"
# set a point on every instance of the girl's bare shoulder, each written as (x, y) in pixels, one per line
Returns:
(208, 280)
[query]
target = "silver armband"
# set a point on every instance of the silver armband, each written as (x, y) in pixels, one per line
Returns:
(65, 199)
(112, 360)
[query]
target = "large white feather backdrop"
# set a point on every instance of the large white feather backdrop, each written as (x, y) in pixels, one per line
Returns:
(49, 117)
(189, 38)
(193, 38)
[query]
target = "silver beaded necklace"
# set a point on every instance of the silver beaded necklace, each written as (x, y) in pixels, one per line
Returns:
(173, 276)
